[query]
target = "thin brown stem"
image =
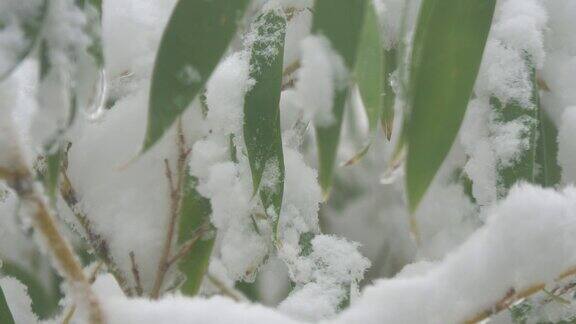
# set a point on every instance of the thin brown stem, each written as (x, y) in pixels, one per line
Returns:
(188, 245)
(176, 184)
(288, 75)
(513, 296)
(68, 264)
(225, 290)
(136, 274)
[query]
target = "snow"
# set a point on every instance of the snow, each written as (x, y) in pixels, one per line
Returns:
(529, 238)
(15, 17)
(322, 74)
(225, 94)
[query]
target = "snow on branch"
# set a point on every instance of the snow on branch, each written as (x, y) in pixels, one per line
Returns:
(529, 240)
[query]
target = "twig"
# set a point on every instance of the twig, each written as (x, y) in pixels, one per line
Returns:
(176, 195)
(136, 274)
(188, 245)
(288, 75)
(225, 290)
(512, 297)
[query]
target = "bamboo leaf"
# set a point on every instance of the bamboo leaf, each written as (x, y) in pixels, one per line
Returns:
(262, 132)
(370, 71)
(5, 313)
(340, 21)
(89, 86)
(447, 50)
(193, 42)
(26, 20)
(194, 219)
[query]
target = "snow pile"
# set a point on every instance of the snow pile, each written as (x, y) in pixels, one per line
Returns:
(529, 238)
(322, 74)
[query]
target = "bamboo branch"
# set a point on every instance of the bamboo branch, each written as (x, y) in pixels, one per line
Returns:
(512, 297)
(44, 222)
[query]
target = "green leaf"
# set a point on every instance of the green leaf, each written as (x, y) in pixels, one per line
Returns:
(195, 216)
(194, 40)
(340, 21)
(370, 71)
(262, 132)
(5, 313)
(27, 20)
(44, 303)
(447, 50)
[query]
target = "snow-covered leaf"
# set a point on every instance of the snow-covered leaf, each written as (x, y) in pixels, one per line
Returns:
(523, 167)
(194, 40)
(447, 50)
(19, 29)
(90, 87)
(340, 21)
(262, 132)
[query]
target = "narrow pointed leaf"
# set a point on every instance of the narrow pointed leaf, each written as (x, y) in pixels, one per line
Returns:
(5, 313)
(26, 21)
(195, 220)
(340, 21)
(447, 50)
(262, 132)
(193, 42)
(370, 67)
